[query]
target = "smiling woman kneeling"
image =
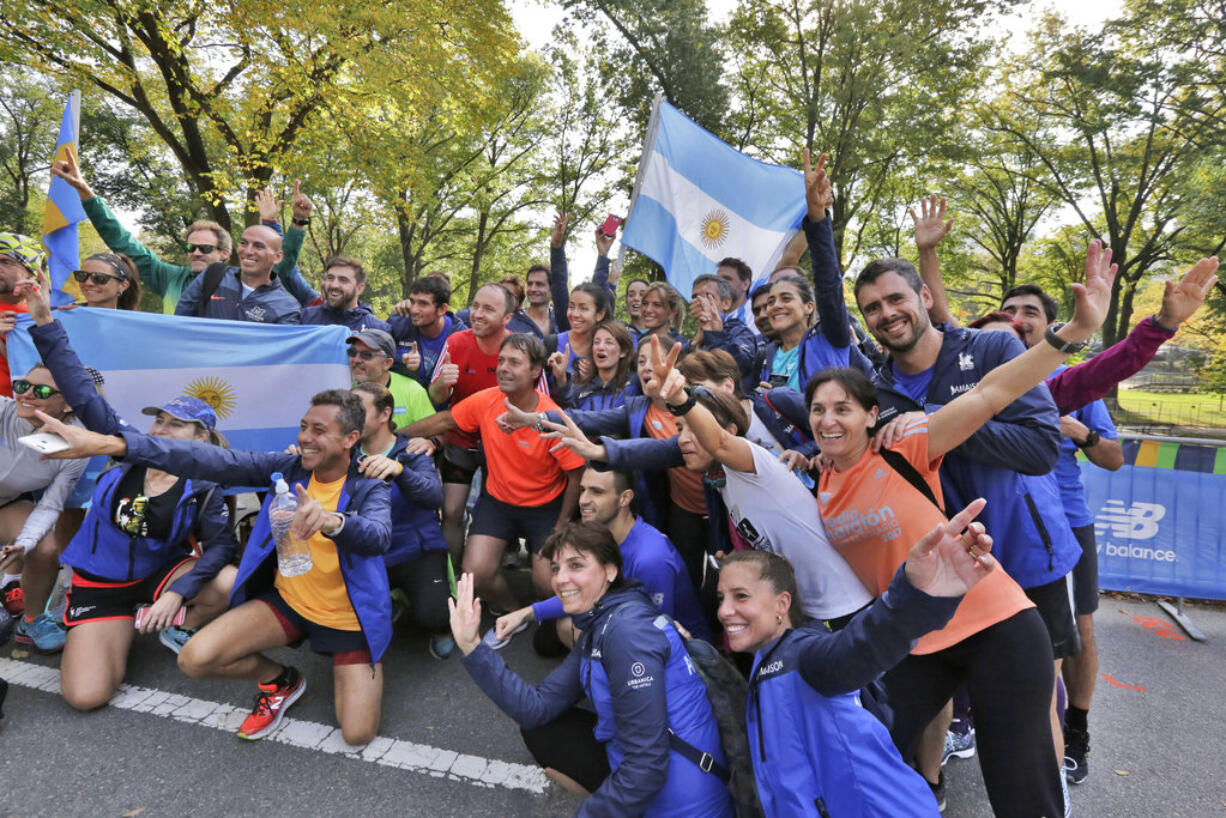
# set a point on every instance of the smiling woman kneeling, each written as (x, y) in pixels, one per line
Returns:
(630, 662)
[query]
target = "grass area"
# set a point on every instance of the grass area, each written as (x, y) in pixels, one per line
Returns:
(1162, 408)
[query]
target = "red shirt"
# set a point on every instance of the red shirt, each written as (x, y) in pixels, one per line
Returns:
(477, 371)
(6, 380)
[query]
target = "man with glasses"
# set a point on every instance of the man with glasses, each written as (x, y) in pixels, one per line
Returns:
(249, 292)
(371, 353)
(206, 242)
(20, 257)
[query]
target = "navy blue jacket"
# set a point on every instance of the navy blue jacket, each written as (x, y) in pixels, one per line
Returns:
(815, 749)
(357, 319)
(102, 548)
(415, 505)
(406, 333)
(268, 304)
(630, 662)
(293, 280)
(593, 396)
(1024, 515)
(360, 544)
(742, 344)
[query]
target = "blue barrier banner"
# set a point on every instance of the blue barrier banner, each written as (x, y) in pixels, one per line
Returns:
(1159, 530)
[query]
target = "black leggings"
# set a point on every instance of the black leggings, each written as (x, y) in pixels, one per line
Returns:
(1008, 673)
(688, 531)
(424, 579)
(568, 744)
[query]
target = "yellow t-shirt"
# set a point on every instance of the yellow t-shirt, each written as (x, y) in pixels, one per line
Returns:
(320, 594)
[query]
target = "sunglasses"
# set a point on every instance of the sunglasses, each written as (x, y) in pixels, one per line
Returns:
(98, 278)
(365, 354)
(203, 248)
(40, 390)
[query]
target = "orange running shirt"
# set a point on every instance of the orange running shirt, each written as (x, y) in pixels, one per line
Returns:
(520, 469)
(685, 486)
(320, 594)
(873, 516)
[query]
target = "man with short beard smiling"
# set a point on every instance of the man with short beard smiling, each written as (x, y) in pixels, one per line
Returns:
(344, 281)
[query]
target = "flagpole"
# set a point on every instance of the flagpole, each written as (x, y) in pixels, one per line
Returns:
(74, 98)
(649, 147)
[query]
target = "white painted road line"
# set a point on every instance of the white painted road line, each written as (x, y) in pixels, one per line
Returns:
(308, 735)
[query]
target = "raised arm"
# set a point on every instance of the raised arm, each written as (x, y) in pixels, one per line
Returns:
(958, 419)
(559, 274)
(930, 227)
(287, 269)
(833, 317)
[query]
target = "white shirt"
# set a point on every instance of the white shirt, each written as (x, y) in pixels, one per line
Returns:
(773, 512)
(745, 313)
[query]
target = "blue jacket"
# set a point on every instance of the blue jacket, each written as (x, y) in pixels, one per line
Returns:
(1008, 460)
(593, 396)
(742, 344)
(267, 304)
(102, 548)
(630, 662)
(414, 506)
(829, 342)
(360, 544)
(406, 334)
(816, 750)
(293, 280)
(357, 319)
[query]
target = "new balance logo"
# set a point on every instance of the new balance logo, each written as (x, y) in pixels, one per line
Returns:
(1136, 522)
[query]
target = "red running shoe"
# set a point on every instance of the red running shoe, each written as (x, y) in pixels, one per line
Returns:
(270, 706)
(14, 599)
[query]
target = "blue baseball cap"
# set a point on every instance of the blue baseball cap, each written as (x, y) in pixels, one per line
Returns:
(192, 410)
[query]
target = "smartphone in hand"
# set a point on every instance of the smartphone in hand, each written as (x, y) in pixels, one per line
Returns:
(142, 613)
(44, 442)
(609, 228)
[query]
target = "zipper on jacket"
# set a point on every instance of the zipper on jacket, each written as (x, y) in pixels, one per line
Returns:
(820, 803)
(1042, 529)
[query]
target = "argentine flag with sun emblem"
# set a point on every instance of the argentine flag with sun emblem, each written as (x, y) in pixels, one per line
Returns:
(259, 378)
(698, 200)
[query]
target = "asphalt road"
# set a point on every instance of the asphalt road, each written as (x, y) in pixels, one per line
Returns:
(447, 751)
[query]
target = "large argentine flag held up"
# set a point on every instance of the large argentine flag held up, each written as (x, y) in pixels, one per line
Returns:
(699, 200)
(259, 378)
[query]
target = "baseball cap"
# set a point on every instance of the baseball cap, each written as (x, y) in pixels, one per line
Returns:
(24, 249)
(375, 339)
(192, 410)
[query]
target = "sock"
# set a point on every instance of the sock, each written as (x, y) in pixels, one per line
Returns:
(1076, 718)
(287, 676)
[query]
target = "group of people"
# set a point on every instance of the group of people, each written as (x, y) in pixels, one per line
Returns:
(882, 517)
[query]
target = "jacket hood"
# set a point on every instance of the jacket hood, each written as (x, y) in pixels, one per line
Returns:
(632, 591)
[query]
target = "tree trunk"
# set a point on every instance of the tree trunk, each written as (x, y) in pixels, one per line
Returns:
(404, 230)
(478, 252)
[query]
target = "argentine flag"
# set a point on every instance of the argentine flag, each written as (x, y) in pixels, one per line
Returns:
(259, 378)
(698, 200)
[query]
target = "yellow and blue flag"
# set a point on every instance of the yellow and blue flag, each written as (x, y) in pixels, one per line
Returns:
(63, 211)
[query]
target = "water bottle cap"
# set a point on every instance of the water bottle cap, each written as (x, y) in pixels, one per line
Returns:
(282, 487)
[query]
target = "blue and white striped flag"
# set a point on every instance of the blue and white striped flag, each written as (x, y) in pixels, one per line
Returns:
(259, 378)
(699, 200)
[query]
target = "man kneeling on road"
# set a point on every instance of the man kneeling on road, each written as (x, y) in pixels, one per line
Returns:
(342, 604)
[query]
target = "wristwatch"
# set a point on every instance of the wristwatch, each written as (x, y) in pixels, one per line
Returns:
(1091, 440)
(691, 398)
(1067, 347)
(300, 222)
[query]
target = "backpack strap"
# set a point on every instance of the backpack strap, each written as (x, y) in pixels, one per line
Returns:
(212, 280)
(704, 761)
(900, 464)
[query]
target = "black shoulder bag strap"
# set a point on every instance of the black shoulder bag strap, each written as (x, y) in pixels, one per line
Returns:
(900, 464)
(212, 279)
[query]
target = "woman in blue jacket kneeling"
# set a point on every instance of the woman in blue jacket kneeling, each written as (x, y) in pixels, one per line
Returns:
(630, 662)
(816, 751)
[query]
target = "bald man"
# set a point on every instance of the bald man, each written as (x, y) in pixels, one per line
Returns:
(249, 292)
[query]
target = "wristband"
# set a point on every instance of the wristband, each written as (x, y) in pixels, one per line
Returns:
(1091, 440)
(1066, 347)
(300, 222)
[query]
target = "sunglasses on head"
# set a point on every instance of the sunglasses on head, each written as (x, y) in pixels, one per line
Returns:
(39, 390)
(203, 248)
(98, 278)
(364, 354)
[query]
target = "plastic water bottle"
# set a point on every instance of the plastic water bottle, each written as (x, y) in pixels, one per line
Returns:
(57, 601)
(293, 554)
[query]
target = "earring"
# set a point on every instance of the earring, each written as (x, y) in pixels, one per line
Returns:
(778, 620)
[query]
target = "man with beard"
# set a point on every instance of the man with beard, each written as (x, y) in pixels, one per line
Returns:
(20, 257)
(370, 361)
(343, 283)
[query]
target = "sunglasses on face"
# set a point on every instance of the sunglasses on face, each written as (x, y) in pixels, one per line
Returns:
(203, 248)
(97, 278)
(40, 390)
(364, 354)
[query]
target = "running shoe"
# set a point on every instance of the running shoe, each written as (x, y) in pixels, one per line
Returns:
(43, 634)
(1076, 748)
(441, 645)
(491, 636)
(270, 706)
(14, 599)
(938, 791)
(958, 745)
(1068, 802)
(175, 638)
